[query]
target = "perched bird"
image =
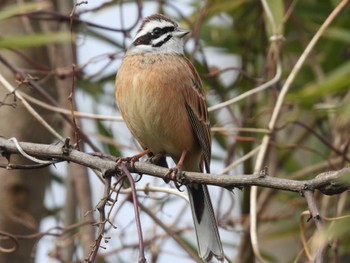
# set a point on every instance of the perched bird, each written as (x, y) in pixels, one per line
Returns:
(161, 98)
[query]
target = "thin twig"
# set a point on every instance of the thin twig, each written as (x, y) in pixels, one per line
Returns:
(102, 220)
(240, 160)
(8, 236)
(77, 114)
(24, 154)
(142, 258)
(148, 189)
(171, 233)
(251, 92)
(259, 162)
(22, 74)
(71, 97)
(276, 112)
(36, 115)
(45, 15)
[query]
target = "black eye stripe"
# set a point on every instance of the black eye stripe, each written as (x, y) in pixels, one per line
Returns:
(146, 39)
(143, 40)
(162, 42)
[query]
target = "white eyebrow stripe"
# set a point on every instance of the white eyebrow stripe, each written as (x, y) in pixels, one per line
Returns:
(148, 27)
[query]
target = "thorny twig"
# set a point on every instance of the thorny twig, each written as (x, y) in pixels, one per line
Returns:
(102, 220)
(142, 258)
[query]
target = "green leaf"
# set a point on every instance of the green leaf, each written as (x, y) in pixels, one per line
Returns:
(339, 229)
(335, 81)
(338, 34)
(277, 13)
(111, 149)
(34, 40)
(225, 6)
(22, 8)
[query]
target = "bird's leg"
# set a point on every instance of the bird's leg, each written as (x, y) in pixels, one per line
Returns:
(133, 159)
(175, 173)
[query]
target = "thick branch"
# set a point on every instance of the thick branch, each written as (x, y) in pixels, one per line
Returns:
(60, 153)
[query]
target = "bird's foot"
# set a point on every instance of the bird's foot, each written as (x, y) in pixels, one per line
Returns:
(133, 159)
(175, 174)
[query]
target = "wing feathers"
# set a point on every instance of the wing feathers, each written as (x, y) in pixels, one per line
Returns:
(198, 114)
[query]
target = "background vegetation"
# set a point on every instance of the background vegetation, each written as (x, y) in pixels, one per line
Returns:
(238, 47)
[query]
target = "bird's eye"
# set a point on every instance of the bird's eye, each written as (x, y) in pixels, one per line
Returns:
(157, 32)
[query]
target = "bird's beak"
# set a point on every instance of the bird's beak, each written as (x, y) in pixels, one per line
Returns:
(180, 32)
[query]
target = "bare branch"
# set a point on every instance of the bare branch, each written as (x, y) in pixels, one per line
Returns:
(142, 258)
(315, 214)
(329, 179)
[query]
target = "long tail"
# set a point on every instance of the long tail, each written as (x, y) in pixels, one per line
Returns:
(208, 239)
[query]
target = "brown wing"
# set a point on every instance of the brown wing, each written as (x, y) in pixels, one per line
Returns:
(198, 113)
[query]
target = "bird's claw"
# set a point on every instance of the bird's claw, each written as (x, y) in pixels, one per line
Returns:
(132, 160)
(175, 174)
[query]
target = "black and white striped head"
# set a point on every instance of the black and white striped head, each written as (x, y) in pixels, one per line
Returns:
(158, 34)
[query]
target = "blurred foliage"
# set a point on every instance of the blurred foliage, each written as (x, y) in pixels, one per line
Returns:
(314, 125)
(14, 10)
(313, 130)
(29, 40)
(34, 40)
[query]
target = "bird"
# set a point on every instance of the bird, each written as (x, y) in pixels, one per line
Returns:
(161, 99)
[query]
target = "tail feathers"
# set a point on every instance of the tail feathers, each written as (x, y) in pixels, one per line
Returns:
(208, 239)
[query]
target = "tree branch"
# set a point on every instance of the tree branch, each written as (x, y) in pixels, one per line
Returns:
(61, 153)
(315, 214)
